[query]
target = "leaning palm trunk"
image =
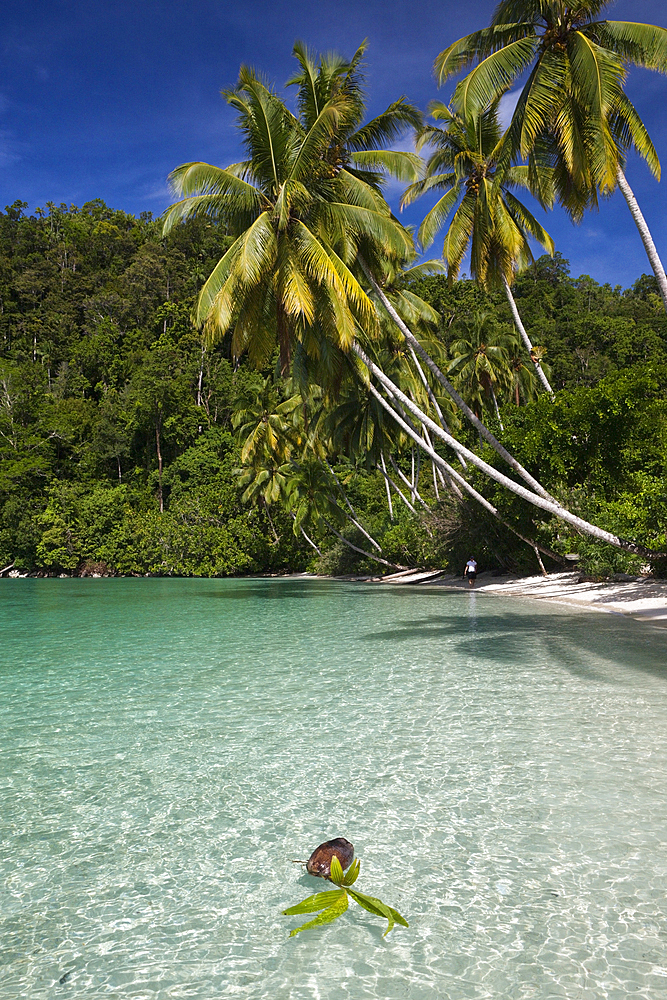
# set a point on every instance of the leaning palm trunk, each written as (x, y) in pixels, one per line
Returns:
(429, 450)
(431, 396)
(424, 430)
(524, 336)
(438, 461)
(341, 490)
(645, 233)
(482, 430)
(537, 556)
(369, 555)
(538, 501)
(384, 473)
(495, 404)
(265, 506)
(401, 475)
(363, 531)
(390, 483)
(308, 539)
(446, 481)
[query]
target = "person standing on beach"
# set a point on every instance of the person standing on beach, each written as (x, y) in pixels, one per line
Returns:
(471, 572)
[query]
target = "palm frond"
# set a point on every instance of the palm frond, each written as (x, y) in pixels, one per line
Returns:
(412, 308)
(325, 268)
(540, 99)
(392, 123)
(353, 190)
(437, 216)
(441, 112)
(212, 192)
(364, 223)
(459, 235)
(526, 221)
(639, 44)
(433, 183)
(426, 268)
(630, 132)
(265, 123)
(402, 165)
(316, 140)
(248, 259)
(293, 288)
(306, 80)
(597, 74)
(460, 55)
(493, 76)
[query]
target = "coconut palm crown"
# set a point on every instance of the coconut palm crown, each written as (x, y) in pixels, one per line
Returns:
(297, 214)
(481, 358)
(486, 216)
(356, 147)
(572, 113)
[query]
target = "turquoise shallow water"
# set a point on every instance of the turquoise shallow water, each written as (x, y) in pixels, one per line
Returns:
(167, 746)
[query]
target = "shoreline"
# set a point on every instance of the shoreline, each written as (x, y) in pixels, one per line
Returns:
(643, 599)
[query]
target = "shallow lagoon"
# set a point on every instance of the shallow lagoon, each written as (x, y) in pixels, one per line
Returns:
(169, 745)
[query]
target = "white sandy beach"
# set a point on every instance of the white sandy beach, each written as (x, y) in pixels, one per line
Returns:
(641, 598)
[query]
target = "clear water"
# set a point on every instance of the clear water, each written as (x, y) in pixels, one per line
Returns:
(168, 746)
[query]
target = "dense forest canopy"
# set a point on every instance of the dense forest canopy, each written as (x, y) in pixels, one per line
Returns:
(243, 386)
(121, 443)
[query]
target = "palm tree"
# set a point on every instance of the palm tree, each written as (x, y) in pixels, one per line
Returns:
(399, 402)
(265, 424)
(572, 115)
(524, 383)
(487, 217)
(264, 482)
(356, 148)
(358, 427)
(296, 220)
(481, 359)
(301, 229)
(312, 502)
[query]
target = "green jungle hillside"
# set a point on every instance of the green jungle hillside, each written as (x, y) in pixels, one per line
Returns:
(127, 447)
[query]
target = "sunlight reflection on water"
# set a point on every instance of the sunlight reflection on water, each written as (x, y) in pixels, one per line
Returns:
(169, 745)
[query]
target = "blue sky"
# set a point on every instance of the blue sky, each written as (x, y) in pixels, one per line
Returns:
(102, 99)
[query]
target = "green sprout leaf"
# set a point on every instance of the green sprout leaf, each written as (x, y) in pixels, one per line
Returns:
(337, 909)
(380, 909)
(336, 871)
(352, 873)
(320, 901)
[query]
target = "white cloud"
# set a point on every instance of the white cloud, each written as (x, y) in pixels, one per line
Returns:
(9, 149)
(508, 103)
(159, 192)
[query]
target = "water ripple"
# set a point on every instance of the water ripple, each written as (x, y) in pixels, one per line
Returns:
(498, 765)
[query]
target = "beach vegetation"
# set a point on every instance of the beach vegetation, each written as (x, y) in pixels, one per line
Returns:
(270, 380)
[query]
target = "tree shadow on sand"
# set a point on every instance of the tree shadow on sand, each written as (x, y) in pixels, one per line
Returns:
(576, 642)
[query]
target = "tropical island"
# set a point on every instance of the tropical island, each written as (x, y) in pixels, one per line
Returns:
(283, 399)
(273, 378)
